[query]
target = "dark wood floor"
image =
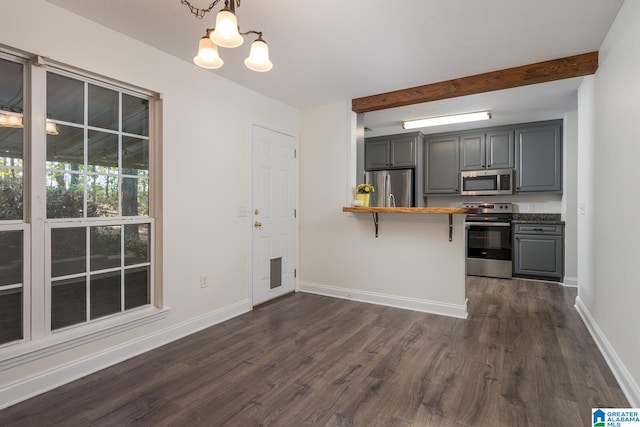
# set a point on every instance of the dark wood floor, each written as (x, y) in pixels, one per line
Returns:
(523, 358)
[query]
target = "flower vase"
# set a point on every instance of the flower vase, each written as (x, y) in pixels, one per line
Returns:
(364, 197)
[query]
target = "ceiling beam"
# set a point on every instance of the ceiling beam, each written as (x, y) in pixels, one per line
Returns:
(541, 72)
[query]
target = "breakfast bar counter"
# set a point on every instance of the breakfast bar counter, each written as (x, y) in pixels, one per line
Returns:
(404, 210)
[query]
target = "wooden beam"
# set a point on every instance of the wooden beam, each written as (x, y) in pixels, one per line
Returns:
(541, 72)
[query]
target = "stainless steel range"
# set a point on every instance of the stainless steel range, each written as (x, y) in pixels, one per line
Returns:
(488, 240)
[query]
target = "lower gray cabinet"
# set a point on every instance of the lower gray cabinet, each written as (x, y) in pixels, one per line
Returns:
(538, 251)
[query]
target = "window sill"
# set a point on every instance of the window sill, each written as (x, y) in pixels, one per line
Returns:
(28, 351)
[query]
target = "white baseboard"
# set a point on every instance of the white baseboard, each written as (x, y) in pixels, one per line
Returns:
(452, 310)
(571, 282)
(26, 388)
(628, 385)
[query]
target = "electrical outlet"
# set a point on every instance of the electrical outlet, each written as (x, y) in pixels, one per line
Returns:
(204, 281)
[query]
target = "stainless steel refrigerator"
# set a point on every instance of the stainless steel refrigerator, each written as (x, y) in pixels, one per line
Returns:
(393, 187)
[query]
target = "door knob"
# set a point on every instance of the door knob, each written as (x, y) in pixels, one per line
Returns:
(257, 224)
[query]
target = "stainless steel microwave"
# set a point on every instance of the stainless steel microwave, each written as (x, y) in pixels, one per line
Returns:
(486, 182)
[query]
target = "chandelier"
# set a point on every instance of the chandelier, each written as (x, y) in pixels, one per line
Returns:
(227, 34)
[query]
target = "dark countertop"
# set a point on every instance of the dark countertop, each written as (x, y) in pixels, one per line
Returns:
(536, 218)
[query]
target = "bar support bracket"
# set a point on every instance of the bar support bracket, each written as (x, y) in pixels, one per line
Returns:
(375, 222)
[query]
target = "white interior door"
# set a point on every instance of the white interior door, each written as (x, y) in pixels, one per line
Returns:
(274, 223)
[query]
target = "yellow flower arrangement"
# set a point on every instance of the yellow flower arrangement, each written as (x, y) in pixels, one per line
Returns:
(365, 189)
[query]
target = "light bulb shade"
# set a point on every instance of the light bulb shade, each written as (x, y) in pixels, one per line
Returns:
(226, 33)
(51, 128)
(10, 121)
(258, 59)
(208, 54)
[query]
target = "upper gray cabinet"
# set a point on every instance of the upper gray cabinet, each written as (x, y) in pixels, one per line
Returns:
(441, 174)
(392, 152)
(491, 150)
(539, 158)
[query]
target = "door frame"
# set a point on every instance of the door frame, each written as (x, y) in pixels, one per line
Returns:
(249, 218)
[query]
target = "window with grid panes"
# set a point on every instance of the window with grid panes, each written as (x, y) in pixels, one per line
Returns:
(12, 226)
(97, 174)
(76, 187)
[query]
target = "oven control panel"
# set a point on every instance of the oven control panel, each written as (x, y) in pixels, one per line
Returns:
(490, 207)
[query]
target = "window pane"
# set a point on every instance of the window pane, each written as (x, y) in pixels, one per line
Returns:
(103, 107)
(136, 243)
(65, 196)
(103, 152)
(68, 302)
(11, 194)
(135, 156)
(10, 258)
(11, 86)
(105, 247)
(68, 251)
(11, 146)
(136, 287)
(10, 315)
(105, 294)
(65, 99)
(135, 115)
(103, 196)
(65, 151)
(135, 196)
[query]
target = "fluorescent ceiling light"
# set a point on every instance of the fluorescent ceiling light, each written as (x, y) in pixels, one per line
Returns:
(446, 120)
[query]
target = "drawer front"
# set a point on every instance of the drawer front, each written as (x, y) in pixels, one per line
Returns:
(553, 229)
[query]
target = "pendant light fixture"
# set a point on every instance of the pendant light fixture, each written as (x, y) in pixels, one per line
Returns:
(13, 120)
(227, 34)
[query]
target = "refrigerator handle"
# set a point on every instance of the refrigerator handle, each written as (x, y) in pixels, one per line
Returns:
(387, 190)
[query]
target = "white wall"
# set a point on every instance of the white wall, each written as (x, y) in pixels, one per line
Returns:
(411, 263)
(609, 298)
(207, 162)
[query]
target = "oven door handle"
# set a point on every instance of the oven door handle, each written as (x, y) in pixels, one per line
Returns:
(491, 224)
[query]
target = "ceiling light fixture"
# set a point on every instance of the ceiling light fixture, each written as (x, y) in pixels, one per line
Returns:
(15, 121)
(446, 120)
(227, 34)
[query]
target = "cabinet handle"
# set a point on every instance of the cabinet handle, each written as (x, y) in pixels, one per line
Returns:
(538, 229)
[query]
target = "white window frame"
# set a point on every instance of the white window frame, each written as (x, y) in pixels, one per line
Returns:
(38, 339)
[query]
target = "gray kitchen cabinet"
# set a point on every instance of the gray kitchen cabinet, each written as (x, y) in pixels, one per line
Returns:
(500, 149)
(491, 150)
(376, 154)
(472, 152)
(539, 158)
(441, 174)
(538, 251)
(392, 152)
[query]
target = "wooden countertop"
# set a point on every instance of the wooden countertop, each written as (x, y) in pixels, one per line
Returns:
(434, 210)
